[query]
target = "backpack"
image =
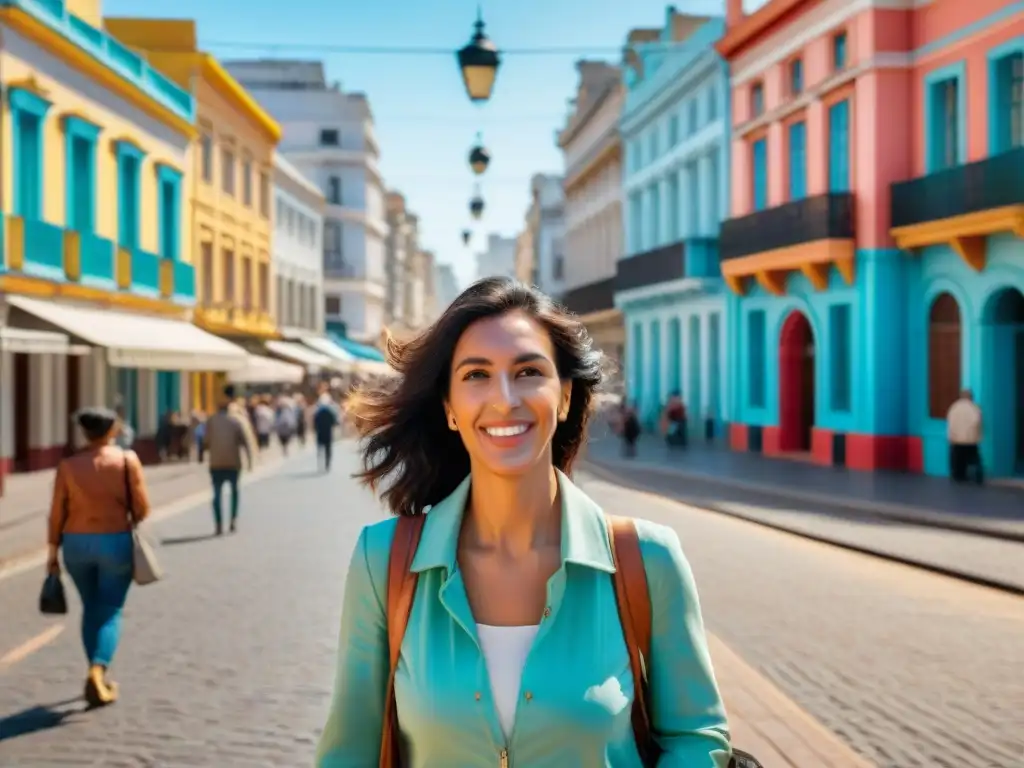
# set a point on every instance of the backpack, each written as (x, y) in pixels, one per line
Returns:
(631, 594)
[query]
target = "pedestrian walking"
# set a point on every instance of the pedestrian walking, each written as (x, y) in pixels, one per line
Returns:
(286, 423)
(513, 571)
(963, 429)
(263, 418)
(226, 443)
(98, 495)
(628, 428)
(300, 419)
(325, 419)
(125, 435)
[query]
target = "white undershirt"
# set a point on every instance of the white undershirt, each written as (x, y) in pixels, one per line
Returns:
(505, 650)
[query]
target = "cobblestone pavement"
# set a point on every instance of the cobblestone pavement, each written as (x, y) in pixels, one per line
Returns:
(228, 662)
(981, 558)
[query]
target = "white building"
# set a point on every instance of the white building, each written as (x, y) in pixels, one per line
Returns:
(446, 286)
(329, 137)
(593, 203)
(298, 251)
(549, 244)
(498, 259)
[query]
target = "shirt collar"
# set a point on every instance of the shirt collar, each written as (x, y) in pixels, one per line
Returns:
(584, 530)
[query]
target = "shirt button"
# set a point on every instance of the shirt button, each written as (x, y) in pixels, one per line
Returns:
(528, 696)
(477, 695)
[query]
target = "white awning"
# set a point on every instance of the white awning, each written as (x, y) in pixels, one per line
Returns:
(343, 360)
(267, 370)
(299, 354)
(24, 341)
(138, 340)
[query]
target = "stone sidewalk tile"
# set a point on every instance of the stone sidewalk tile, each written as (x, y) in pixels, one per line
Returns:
(769, 725)
(26, 505)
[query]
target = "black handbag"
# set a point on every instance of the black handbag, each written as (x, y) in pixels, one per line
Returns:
(52, 599)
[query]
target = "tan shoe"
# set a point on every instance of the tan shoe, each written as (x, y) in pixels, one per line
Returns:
(97, 694)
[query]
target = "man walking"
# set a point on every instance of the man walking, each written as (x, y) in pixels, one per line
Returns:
(963, 429)
(226, 440)
(325, 419)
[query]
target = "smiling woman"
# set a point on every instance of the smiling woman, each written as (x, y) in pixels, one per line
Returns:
(501, 642)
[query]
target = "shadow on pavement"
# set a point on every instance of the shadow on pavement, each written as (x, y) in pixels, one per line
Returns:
(41, 717)
(195, 539)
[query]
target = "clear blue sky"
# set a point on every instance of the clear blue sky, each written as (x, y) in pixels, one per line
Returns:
(425, 123)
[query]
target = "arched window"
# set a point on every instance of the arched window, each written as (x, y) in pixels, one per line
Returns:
(943, 355)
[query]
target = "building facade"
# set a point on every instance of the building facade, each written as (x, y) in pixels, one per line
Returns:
(298, 251)
(498, 259)
(401, 248)
(592, 185)
(329, 135)
(446, 287)
(231, 193)
(874, 273)
(675, 191)
(548, 204)
(97, 283)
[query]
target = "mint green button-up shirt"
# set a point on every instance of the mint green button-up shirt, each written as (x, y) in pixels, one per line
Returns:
(577, 688)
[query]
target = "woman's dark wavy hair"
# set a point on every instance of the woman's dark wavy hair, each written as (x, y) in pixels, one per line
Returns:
(410, 456)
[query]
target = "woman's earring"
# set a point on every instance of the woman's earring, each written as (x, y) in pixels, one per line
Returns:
(451, 424)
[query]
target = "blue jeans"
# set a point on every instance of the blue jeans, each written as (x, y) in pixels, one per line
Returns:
(100, 565)
(220, 477)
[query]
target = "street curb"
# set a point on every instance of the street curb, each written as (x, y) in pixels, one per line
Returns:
(12, 566)
(610, 475)
(891, 511)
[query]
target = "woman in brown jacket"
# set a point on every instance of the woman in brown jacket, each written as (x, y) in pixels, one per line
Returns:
(98, 495)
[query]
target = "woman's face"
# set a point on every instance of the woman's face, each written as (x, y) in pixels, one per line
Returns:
(506, 398)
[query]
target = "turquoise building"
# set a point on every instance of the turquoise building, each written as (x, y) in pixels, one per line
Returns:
(675, 130)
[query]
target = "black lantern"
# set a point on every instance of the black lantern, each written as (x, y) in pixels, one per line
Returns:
(479, 157)
(479, 62)
(466, 234)
(476, 206)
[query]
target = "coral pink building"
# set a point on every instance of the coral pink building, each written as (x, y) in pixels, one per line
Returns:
(874, 251)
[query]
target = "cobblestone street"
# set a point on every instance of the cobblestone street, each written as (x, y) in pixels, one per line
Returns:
(228, 662)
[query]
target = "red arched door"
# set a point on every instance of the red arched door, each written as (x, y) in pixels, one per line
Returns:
(796, 383)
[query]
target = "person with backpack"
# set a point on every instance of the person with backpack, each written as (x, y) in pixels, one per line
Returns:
(501, 617)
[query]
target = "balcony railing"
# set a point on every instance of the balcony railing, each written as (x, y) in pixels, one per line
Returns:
(592, 297)
(821, 217)
(145, 272)
(995, 182)
(96, 256)
(43, 249)
(103, 47)
(659, 265)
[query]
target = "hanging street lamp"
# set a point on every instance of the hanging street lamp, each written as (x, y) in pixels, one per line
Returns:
(479, 157)
(466, 234)
(476, 206)
(479, 61)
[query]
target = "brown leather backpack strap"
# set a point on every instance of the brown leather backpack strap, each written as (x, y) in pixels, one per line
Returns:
(634, 602)
(401, 591)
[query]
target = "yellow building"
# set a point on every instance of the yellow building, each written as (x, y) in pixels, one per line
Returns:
(232, 173)
(97, 284)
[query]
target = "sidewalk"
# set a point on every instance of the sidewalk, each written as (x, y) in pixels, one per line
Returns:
(769, 725)
(918, 499)
(25, 505)
(945, 542)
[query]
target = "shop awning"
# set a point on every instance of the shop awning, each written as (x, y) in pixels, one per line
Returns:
(267, 370)
(342, 360)
(25, 341)
(357, 350)
(138, 340)
(297, 353)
